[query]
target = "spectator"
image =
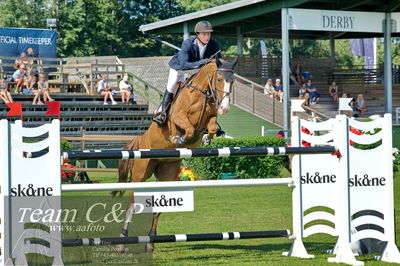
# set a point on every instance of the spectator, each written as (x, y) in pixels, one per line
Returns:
(302, 90)
(4, 93)
(334, 91)
(105, 90)
(312, 91)
(43, 86)
(360, 105)
(30, 53)
(34, 90)
(296, 75)
(125, 88)
(20, 78)
(306, 103)
(21, 60)
(269, 88)
(278, 90)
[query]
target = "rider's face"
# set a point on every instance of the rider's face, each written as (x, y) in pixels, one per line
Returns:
(204, 37)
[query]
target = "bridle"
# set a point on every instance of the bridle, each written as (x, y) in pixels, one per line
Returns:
(210, 92)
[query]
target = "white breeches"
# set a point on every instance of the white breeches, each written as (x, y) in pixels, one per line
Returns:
(173, 77)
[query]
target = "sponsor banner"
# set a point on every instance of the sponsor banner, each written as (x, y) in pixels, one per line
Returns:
(328, 20)
(165, 201)
(14, 41)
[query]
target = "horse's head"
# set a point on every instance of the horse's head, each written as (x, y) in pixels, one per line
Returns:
(223, 84)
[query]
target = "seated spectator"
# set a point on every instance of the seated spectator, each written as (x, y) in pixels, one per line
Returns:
(306, 103)
(269, 89)
(360, 105)
(4, 93)
(302, 90)
(278, 90)
(295, 75)
(20, 78)
(43, 86)
(22, 60)
(334, 91)
(32, 63)
(34, 90)
(312, 91)
(105, 90)
(125, 88)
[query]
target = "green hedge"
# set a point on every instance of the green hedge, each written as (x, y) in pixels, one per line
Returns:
(66, 146)
(244, 166)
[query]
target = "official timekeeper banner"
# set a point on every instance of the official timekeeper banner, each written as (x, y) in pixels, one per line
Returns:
(14, 41)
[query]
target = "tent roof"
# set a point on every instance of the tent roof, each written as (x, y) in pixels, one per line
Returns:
(262, 18)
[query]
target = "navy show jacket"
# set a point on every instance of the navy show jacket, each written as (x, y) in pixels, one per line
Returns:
(188, 57)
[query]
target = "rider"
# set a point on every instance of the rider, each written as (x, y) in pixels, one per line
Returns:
(194, 54)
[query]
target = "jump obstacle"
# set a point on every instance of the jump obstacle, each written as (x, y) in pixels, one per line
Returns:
(171, 238)
(358, 187)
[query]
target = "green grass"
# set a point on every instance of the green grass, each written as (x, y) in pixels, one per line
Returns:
(240, 209)
(238, 123)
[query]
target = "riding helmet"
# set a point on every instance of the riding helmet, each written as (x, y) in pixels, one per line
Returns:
(203, 26)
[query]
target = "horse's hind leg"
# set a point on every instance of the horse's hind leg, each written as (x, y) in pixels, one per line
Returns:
(142, 170)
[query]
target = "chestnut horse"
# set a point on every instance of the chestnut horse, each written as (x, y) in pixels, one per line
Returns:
(192, 119)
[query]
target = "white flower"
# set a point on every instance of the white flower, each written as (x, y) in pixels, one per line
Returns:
(395, 151)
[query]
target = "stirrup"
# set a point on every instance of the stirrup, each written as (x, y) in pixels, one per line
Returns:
(160, 119)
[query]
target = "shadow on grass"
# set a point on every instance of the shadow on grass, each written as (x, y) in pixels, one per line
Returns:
(312, 247)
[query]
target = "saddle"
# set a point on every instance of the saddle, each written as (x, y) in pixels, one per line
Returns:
(186, 78)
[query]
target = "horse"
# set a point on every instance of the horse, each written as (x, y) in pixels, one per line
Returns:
(192, 120)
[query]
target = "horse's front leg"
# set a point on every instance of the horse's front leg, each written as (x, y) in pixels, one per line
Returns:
(212, 128)
(182, 121)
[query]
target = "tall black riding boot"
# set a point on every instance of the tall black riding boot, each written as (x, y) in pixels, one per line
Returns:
(161, 117)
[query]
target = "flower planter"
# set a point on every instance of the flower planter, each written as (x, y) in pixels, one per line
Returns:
(228, 175)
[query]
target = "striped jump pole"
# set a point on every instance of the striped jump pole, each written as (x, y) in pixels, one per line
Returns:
(172, 238)
(197, 152)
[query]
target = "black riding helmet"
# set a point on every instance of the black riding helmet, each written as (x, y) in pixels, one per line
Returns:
(203, 26)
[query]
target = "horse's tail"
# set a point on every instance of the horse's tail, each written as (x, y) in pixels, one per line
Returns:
(125, 166)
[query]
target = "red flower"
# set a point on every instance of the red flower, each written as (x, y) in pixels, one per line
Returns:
(65, 174)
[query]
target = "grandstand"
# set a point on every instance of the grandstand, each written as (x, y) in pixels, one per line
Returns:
(81, 109)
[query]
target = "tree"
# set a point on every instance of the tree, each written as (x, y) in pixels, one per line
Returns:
(24, 14)
(196, 5)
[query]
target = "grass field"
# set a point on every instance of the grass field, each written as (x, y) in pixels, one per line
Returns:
(238, 123)
(240, 209)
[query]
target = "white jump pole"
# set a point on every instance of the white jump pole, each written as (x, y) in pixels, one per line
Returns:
(151, 186)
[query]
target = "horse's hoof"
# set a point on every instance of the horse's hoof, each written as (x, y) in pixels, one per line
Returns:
(180, 141)
(120, 249)
(206, 140)
(149, 248)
